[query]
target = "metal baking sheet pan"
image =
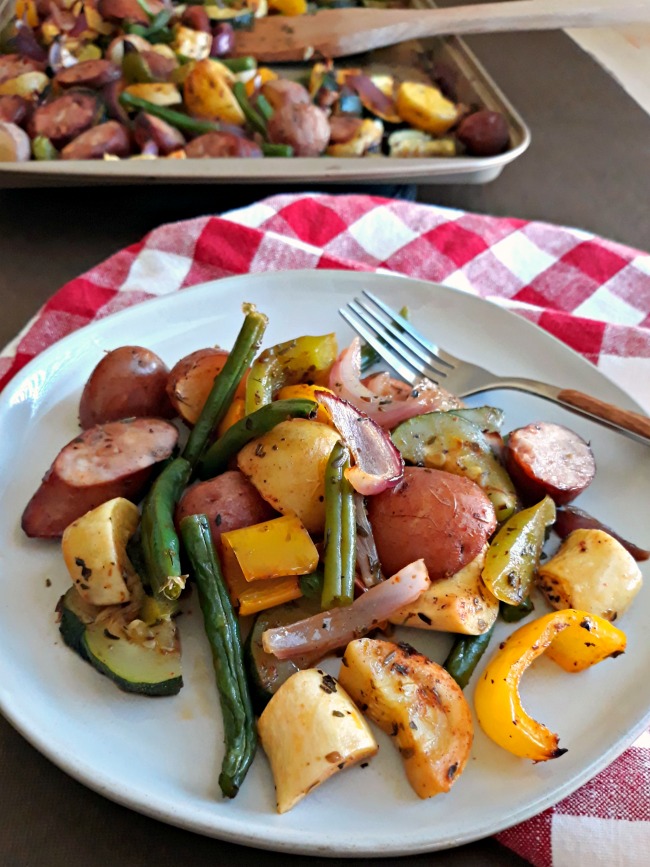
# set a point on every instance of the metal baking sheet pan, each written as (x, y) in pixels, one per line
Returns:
(409, 60)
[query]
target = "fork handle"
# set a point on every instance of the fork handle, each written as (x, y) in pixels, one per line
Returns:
(623, 418)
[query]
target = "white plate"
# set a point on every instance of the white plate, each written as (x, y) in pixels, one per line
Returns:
(162, 756)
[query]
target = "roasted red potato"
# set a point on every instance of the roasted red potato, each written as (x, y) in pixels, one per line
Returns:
(130, 381)
(443, 518)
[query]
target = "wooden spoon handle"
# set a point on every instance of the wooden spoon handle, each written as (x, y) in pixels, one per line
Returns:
(625, 418)
(537, 15)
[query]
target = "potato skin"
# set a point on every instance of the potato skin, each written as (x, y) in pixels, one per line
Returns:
(191, 379)
(230, 502)
(443, 518)
(129, 381)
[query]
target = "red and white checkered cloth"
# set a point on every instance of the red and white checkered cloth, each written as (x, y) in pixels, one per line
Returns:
(591, 293)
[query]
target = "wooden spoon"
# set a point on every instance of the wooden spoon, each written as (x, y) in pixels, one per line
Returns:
(341, 32)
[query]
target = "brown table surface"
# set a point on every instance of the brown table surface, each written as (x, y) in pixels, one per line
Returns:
(587, 166)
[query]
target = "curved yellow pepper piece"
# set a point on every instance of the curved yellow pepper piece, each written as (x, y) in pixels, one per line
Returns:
(573, 639)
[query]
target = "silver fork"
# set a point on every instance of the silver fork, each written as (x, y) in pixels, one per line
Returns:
(412, 357)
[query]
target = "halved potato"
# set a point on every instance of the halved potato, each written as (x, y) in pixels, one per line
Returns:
(310, 730)
(208, 94)
(424, 107)
(287, 466)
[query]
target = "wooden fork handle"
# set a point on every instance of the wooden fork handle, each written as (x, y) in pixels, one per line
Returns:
(625, 418)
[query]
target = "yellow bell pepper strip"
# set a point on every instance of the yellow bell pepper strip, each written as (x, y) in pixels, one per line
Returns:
(305, 359)
(249, 597)
(272, 549)
(575, 640)
(513, 556)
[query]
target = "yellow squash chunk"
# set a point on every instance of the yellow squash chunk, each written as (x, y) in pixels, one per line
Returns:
(208, 94)
(416, 702)
(191, 44)
(425, 108)
(28, 85)
(272, 549)
(368, 137)
(160, 93)
(249, 597)
(574, 640)
(310, 730)
(461, 603)
(593, 572)
(94, 550)
(287, 466)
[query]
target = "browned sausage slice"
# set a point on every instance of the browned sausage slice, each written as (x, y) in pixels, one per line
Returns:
(230, 502)
(13, 65)
(343, 128)
(14, 109)
(545, 458)
(88, 73)
(148, 128)
(65, 118)
(107, 138)
(128, 10)
(129, 381)
(106, 461)
(221, 144)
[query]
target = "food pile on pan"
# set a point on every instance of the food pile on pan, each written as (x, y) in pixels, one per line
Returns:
(316, 505)
(117, 79)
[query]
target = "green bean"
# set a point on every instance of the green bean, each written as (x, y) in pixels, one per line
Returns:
(175, 118)
(160, 545)
(340, 531)
(43, 149)
(515, 613)
(246, 346)
(216, 458)
(264, 107)
(465, 654)
(276, 150)
(253, 118)
(239, 64)
(223, 634)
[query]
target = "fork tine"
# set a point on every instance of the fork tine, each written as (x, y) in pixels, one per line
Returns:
(409, 374)
(427, 363)
(410, 353)
(439, 354)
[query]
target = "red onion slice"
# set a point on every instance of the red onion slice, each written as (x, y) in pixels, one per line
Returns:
(387, 401)
(378, 463)
(324, 632)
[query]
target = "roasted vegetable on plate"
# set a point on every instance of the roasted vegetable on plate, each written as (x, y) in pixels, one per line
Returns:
(347, 516)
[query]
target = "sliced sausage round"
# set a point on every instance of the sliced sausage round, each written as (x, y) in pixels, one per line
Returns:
(117, 11)
(304, 127)
(107, 138)
(229, 501)
(221, 144)
(65, 118)
(13, 65)
(14, 109)
(545, 458)
(343, 128)
(88, 73)
(106, 461)
(148, 128)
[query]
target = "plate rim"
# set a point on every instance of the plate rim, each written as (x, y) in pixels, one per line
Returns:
(274, 839)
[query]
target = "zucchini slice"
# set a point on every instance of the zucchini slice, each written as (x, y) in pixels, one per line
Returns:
(146, 669)
(266, 673)
(148, 666)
